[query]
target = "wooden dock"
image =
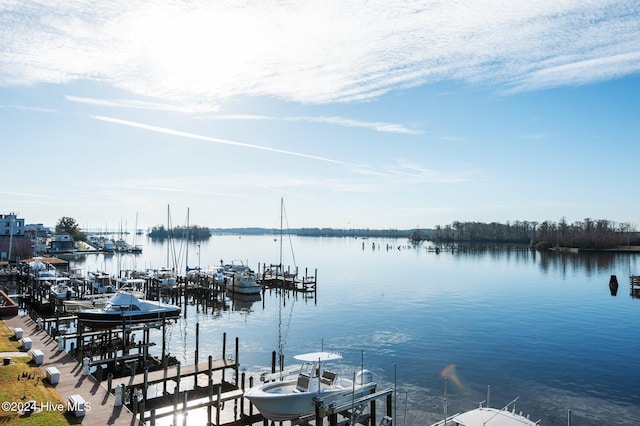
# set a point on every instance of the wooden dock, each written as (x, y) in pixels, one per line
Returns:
(72, 380)
(177, 372)
(276, 277)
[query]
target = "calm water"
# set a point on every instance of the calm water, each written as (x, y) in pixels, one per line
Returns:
(540, 327)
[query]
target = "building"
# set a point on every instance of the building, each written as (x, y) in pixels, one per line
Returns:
(11, 225)
(61, 243)
(14, 244)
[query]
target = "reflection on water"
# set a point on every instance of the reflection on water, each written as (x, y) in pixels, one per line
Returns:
(541, 326)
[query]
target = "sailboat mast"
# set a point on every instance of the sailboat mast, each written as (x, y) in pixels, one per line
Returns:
(168, 235)
(281, 218)
(279, 271)
(186, 256)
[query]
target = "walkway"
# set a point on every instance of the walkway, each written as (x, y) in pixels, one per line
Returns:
(103, 410)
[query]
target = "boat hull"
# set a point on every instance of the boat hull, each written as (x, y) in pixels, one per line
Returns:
(101, 320)
(278, 401)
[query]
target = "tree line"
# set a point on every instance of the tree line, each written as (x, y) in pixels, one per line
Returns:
(197, 233)
(586, 234)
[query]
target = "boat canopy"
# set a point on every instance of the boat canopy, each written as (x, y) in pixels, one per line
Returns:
(318, 356)
(124, 298)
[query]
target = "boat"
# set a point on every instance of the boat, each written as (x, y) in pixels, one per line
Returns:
(165, 278)
(488, 416)
(289, 399)
(240, 278)
(134, 286)
(61, 289)
(125, 307)
(244, 282)
(101, 283)
(485, 415)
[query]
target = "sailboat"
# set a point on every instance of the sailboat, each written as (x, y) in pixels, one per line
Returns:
(166, 277)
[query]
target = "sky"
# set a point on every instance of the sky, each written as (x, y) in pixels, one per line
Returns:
(358, 114)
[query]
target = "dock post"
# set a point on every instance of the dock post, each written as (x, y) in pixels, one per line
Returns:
(119, 395)
(184, 409)
(165, 364)
(210, 390)
(146, 382)
(224, 345)
(237, 355)
(218, 407)
(197, 348)
(175, 406)
(164, 335)
(224, 351)
(243, 389)
(178, 379)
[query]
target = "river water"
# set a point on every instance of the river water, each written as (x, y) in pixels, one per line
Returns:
(539, 326)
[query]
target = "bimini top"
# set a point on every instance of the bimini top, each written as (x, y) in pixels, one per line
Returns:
(318, 356)
(492, 417)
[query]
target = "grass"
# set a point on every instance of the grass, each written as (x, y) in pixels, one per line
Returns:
(23, 381)
(8, 342)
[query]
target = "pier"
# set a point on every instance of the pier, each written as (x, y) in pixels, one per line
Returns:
(274, 276)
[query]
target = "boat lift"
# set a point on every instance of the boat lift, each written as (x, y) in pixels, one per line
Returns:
(350, 408)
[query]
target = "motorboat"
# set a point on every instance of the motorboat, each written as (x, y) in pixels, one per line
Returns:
(101, 283)
(165, 278)
(61, 289)
(289, 399)
(485, 415)
(125, 308)
(244, 282)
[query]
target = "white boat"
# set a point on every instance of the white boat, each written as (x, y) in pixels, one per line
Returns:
(244, 282)
(488, 416)
(61, 289)
(291, 399)
(125, 307)
(101, 283)
(165, 278)
(134, 286)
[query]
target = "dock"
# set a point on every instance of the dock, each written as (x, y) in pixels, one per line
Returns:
(72, 380)
(113, 371)
(274, 276)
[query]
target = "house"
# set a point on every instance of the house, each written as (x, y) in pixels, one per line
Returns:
(13, 242)
(61, 243)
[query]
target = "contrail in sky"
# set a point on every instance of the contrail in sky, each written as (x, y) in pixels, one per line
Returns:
(215, 140)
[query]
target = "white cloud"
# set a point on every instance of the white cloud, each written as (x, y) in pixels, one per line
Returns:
(315, 52)
(146, 105)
